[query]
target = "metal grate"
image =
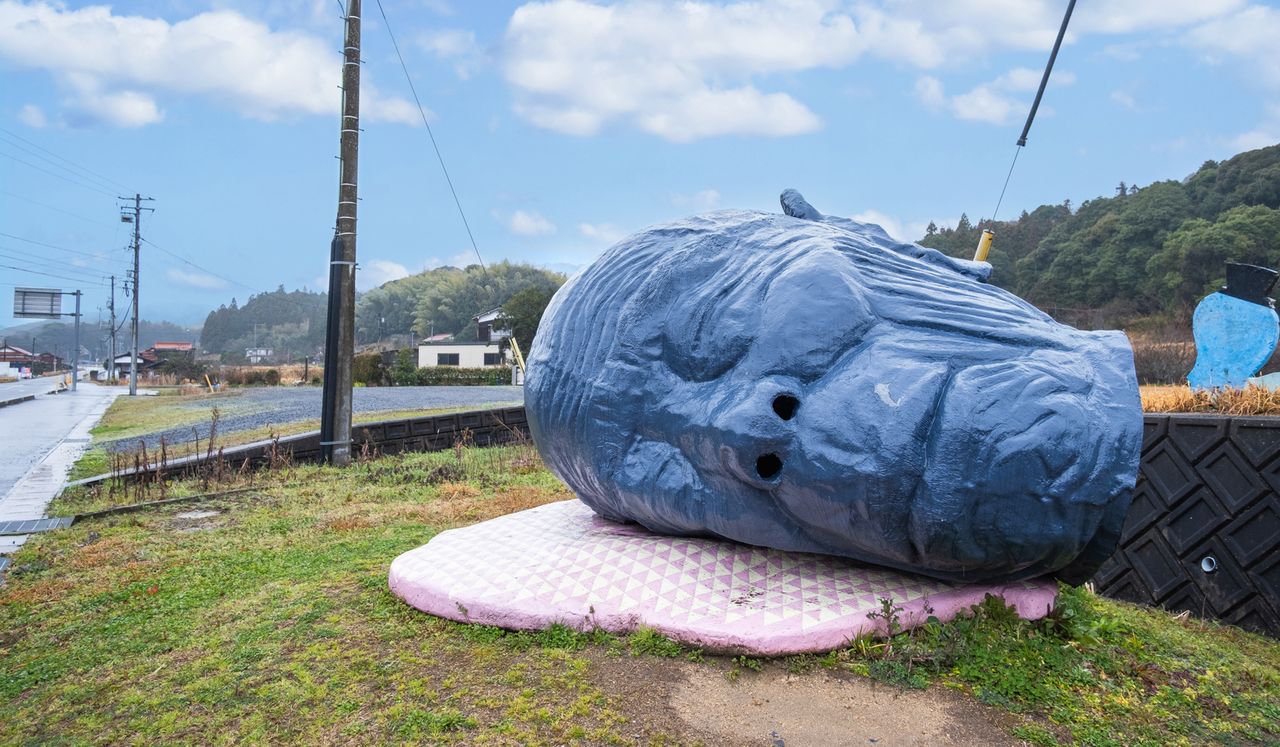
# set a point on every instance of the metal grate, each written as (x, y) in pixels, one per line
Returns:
(29, 526)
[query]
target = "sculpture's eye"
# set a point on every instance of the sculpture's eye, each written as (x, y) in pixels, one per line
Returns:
(768, 466)
(785, 406)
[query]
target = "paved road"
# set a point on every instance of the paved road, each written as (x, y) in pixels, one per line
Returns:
(29, 431)
(250, 408)
(27, 387)
(39, 441)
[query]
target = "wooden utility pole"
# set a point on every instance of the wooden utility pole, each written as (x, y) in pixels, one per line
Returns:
(111, 362)
(339, 349)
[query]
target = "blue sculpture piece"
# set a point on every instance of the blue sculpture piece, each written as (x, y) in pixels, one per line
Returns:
(1236, 329)
(807, 383)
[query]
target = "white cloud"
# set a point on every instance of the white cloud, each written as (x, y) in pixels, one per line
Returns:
(1124, 99)
(690, 69)
(439, 7)
(679, 70)
(121, 109)
(928, 90)
(698, 202)
(375, 272)
(195, 279)
(1128, 16)
(456, 45)
(989, 102)
(112, 62)
(529, 223)
(889, 224)
(1249, 36)
(605, 233)
(32, 116)
(1267, 133)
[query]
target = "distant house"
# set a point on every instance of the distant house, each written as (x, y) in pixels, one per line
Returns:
(151, 358)
(174, 349)
(14, 359)
(147, 362)
(478, 354)
(14, 354)
(487, 329)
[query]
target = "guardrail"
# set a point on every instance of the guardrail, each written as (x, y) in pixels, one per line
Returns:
(428, 433)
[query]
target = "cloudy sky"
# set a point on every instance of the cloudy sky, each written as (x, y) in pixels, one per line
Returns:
(569, 123)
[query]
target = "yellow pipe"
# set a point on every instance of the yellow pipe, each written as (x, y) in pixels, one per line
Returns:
(984, 245)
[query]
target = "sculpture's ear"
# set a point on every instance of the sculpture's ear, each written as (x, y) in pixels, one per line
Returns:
(794, 205)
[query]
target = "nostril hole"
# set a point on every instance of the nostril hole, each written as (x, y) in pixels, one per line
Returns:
(785, 405)
(768, 466)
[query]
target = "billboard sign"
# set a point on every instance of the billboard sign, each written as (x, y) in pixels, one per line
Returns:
(37, 303)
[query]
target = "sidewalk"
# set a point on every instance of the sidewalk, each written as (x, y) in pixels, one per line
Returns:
(52, 431)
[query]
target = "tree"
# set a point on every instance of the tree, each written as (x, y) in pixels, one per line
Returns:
(1122, 190)
(522, 314)
(931, 229)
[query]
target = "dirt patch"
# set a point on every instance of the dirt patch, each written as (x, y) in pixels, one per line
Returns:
(775, 707)
(696, 703)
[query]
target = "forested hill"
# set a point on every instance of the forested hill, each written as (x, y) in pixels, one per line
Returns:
(289, 322)
(1152, 250)
(445, 299)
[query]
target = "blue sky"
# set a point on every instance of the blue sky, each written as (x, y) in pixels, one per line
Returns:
(568, 124)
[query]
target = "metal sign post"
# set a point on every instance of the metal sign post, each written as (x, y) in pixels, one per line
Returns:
(46, 303)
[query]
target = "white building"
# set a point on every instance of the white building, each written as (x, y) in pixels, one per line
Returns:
(463, 354)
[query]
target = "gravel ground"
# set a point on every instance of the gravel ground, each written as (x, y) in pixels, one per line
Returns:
(247, 409)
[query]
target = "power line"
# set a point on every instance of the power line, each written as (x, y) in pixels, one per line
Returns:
(61, 267)
(54, 163)
(85, 169)
(82, 253)
(183, 259)
(24, 198)
(51, 275)
(76, 182)
(430, 134)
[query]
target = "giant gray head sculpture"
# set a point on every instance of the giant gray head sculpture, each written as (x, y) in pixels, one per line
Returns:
(807, 383)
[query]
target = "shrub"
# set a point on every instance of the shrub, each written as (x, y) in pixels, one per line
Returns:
(367, 369)
(452, 376)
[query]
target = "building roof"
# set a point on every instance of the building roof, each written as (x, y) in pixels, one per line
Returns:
(14, 349)
(460, 343)
(178, 346)
(487, 316)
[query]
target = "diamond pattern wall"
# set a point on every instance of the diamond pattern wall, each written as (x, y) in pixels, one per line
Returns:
(1203, 534)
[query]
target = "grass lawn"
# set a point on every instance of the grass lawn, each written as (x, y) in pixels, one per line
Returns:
(270, 621)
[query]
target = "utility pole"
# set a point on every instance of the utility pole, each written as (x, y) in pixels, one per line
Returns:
(111, 362)
(335, 416)
(136, 220)
(75, 352)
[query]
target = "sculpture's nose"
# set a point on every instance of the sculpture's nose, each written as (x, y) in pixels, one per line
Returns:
(756, 432)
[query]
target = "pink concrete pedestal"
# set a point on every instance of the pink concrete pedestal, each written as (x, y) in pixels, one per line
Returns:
(560, 563)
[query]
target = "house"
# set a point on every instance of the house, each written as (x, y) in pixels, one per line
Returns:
(147, 362)
(174, 349)
(478, 354)
(16, 355)
(154, 356)
(487, 329)
(18, 359)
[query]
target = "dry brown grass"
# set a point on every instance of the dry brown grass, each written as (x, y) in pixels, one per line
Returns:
(1249, 401)
(508, 500)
